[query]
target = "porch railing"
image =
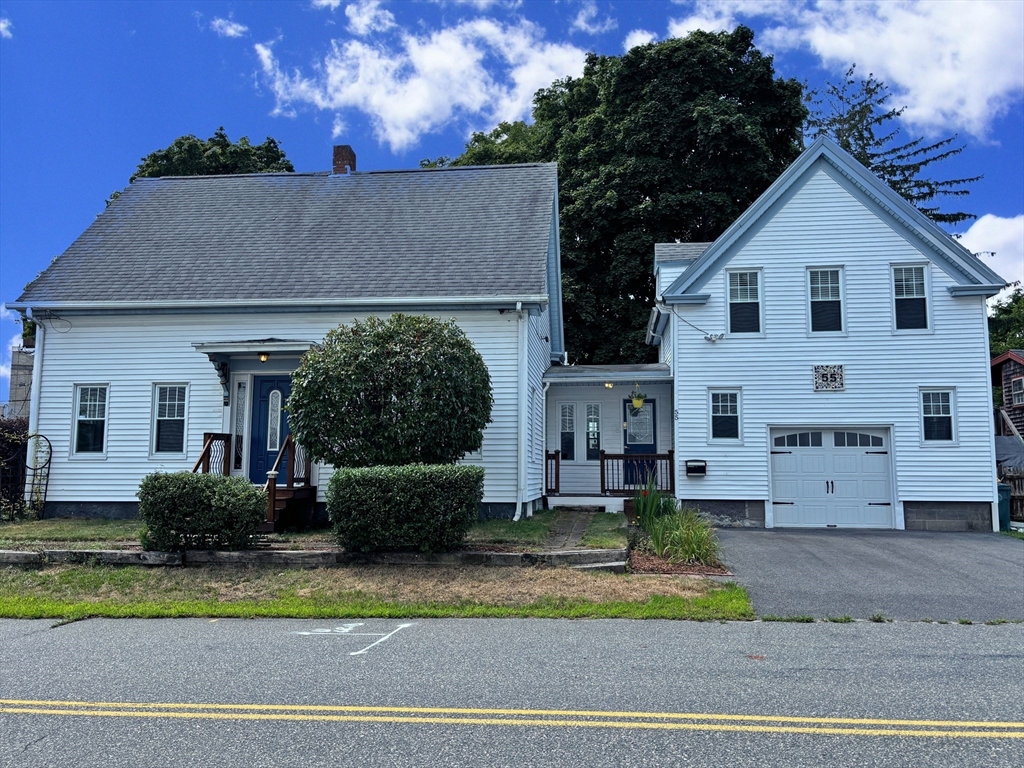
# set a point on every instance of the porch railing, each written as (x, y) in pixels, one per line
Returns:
(298, 471)
(552, 468)
(623, 474)
(214, 457)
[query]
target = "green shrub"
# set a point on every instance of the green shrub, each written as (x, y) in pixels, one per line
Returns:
(679, 535)
(193, 511)
(404, 390)
(417, 506)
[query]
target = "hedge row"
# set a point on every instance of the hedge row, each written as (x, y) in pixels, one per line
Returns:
(426, 507)
(200, 511)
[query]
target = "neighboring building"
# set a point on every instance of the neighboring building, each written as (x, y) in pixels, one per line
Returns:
(186, 304)
(1008, 373)
(830, 360)
(20, 383)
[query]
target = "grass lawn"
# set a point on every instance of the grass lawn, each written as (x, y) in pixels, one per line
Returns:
(76, 592)
(1014, 534)
(528, 533)
(606, 531)
(61, 529)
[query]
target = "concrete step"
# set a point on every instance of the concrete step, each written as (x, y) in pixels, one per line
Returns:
(582, 556)
(618, 566)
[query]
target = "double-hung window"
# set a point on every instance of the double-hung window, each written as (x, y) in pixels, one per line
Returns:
(937, 411)
(725, 414)
(90, 419)
(910, 297)
(1017, 392)
(169, 418)
(744, 302)
(826, 300)
(567, 431)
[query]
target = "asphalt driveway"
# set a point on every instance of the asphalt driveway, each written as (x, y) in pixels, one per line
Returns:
(908, 575)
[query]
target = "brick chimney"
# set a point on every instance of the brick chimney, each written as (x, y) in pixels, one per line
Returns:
(344, 159)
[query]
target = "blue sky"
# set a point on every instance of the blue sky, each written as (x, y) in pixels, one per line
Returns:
(88, 88)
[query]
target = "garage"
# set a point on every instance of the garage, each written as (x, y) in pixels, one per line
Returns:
(831, 478)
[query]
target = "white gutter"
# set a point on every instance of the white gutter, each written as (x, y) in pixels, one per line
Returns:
(33, 402)
(402, 301)
(524, 364)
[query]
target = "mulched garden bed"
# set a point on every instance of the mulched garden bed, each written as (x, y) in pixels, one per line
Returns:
(641, 562)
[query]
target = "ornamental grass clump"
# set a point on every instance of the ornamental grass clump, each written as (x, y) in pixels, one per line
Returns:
(679, 535)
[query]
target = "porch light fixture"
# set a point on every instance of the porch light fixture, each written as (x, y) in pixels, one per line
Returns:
(608, 385)
(264, 356)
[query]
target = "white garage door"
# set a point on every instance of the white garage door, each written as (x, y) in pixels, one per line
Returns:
(831, 478)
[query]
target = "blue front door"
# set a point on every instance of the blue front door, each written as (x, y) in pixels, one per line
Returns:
(269, 424)
(639, 438)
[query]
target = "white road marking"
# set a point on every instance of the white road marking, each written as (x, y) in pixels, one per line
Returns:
(346, 630)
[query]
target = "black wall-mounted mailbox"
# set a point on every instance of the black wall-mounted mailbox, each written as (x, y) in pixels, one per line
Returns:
(696, 468)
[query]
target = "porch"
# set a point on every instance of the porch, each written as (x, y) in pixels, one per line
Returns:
(601, 447)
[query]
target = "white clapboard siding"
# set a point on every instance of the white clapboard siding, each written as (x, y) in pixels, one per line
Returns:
(825, 226)
(132, 352)
(539, 347)
(582, 477)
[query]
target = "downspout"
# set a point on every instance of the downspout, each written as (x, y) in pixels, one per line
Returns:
(33, 401)
(524, 364)
(991, 432)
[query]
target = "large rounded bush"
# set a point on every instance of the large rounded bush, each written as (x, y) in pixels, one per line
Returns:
(405, 390)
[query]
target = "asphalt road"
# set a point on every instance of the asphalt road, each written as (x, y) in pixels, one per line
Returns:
(509, 692)
(910, 575)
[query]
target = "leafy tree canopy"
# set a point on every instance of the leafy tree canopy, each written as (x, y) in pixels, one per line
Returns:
(409, 389)
(668, 143)
(1006, 324)
(217, 155)
(857, 116)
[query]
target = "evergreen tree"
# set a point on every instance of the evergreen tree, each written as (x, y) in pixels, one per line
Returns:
(857, 116)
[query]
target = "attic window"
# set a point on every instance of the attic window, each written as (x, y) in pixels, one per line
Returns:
(910, 296)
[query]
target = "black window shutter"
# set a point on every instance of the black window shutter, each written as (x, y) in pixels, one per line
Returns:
(911, 314)
(826, 316)
(745, 317)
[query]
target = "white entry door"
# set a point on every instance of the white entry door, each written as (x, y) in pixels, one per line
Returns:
(834, 478)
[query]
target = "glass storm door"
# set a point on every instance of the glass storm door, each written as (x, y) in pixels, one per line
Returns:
(269, 423)
(638, 438)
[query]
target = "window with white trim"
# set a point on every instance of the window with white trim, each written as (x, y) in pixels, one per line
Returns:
(937, 407)
(724, 414)
(593, 431)
(910, 298)
(90, 419)
(567, 431)
(826, 300)
(169, 418)
(744, 302)
(1017, 391)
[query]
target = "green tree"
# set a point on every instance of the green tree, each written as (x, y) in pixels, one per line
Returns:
(857, 116)
(409, 389)
(668, 143)
(1006, 324)
(217, 155)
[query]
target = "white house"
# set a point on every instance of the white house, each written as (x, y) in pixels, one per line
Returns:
(182, 309)
(829, 359)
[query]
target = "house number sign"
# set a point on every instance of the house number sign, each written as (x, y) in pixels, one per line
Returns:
(829, 378)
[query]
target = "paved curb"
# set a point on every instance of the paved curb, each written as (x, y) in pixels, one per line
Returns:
(597, 559)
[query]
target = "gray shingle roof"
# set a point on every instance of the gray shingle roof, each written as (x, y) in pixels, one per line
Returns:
(457, 232)
(679, 251)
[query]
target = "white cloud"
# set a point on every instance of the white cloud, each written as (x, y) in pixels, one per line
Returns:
(956, 65)
(638, 37)
(228, 28)
(332, 4)
(480, 5)
(367, 16)
(5, 29)
(479, 72)
(586, 20)
(1005, 238)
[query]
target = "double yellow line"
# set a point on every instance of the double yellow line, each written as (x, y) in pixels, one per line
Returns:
(550, 718)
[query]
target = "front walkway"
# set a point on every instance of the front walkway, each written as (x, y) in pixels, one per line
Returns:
(570, 528)
(909, 575)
